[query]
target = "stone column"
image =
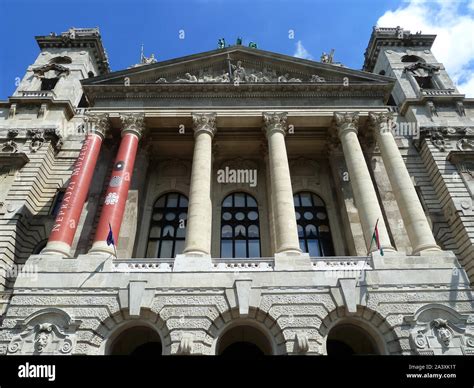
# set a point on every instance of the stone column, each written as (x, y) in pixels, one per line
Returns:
(286, 232)
(116, 196)
(199, 224)
(362, 186)
(66, 222)
(414, 219)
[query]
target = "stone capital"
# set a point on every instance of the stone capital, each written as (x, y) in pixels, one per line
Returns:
(204, 122)
(133, 123)
(346, 121)
(275, 122)
(381, 122)
(97, 123)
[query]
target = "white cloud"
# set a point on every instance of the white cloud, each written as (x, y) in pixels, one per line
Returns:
(301, 52)
(453, 23)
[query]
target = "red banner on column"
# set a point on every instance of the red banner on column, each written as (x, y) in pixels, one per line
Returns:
(117, 192)
(70, 211)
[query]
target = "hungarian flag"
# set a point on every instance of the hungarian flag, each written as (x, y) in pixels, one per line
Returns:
(375, 238)
(110, 237)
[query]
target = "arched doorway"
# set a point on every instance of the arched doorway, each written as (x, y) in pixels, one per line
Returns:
(244, 341)
(349, 339)
(139, 341)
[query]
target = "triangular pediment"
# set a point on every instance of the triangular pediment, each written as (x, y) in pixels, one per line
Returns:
(238, 64)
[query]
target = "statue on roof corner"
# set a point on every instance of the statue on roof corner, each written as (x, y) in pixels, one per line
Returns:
(253, 45)
(146, 61)
(221, 43)
(239, 41)
(327, 58)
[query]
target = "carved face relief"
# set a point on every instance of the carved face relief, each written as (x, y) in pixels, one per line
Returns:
(445, 336)
(41, 340)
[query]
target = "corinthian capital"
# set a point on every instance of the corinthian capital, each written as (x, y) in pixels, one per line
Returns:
(275, 122)
(97, 123)
(204, 122)
(381, 120)
(346, 121)
(133, 123)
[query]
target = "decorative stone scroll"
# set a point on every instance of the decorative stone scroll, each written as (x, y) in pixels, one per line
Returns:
(37, 139)
(50, 331)
(438, 329)
(10, 145)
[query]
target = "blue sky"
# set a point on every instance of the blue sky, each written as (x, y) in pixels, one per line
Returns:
(318, 26)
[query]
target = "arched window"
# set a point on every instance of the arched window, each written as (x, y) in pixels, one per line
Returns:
(168, 226)
(313, 225)
(39, 247)
(240, 230)
(411, 58)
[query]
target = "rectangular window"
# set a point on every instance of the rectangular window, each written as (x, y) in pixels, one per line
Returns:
(49, 83)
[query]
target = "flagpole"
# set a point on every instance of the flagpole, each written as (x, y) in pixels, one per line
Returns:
(115, 249)
(372, 237)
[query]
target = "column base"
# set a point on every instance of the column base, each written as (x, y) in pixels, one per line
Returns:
(101, 248)
(58, 248)
(192, 262)
(292, 261)
(426, 248)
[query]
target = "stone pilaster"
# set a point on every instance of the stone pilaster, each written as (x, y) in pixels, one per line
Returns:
(363, 189)
(414, 219)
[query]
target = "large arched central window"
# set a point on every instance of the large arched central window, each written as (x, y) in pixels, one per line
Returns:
(240, 231)
(313, 225)
(168, 226)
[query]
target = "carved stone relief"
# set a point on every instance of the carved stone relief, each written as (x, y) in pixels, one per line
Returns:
(240, 74)
(438, 329)
(49, 331)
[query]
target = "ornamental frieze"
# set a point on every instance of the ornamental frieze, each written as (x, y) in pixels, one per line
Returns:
(447, 138)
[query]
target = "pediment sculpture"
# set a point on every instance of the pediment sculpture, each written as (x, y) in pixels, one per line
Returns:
(240, 74)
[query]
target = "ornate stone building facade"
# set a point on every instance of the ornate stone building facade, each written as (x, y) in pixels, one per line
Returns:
(242, 189)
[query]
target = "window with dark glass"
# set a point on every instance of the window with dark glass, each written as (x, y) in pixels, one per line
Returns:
(313, 225)
(49, 83)
(168, 226)
(240, 230)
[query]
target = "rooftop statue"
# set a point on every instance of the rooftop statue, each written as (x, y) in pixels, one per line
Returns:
(221, 43)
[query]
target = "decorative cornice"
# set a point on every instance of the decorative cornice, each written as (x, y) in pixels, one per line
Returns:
(275, 122)
(244, 90)
(204, 122)
(133, 123)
